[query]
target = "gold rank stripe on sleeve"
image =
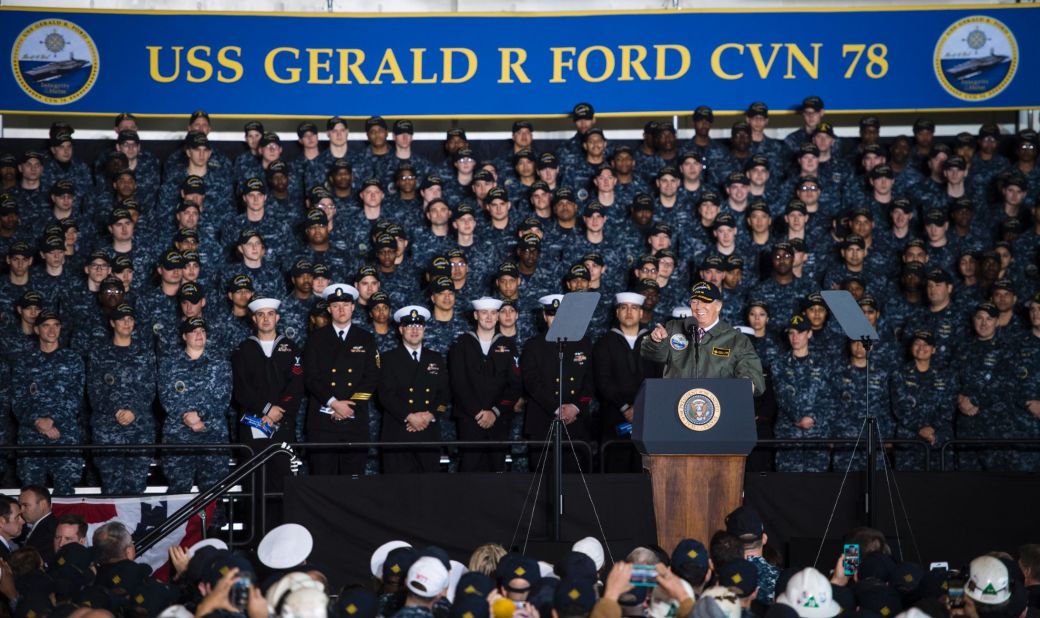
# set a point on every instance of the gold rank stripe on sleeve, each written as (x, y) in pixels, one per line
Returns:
(361, 396)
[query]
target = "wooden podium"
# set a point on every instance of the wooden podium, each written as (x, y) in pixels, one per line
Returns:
(694, 436)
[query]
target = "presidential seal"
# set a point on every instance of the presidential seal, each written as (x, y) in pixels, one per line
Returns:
(976, 58)
(699, 409)
(54, 61)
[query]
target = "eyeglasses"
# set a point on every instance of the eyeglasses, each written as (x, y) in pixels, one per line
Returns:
(808, 188)
(407, 177)
(99, 266)
(457, 264)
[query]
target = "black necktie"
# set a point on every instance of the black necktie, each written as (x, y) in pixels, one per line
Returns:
(415, 355)
(342, 335)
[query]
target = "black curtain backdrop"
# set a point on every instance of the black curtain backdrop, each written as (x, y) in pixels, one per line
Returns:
(349, 519)
(954, 517)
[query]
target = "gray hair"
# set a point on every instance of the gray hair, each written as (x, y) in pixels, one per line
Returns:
(111, 542)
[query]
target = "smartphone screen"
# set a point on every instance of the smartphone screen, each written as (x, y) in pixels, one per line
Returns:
(851, 553)
(643, 575)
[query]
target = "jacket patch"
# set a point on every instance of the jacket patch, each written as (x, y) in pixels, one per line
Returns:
(723, 352)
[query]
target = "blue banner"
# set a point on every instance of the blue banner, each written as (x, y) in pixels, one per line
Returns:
(528, 65)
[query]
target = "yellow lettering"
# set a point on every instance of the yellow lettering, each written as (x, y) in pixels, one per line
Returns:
(449, 72)
(811, 68)
(293, 73)
(417, 61)
(153, 64)
(199, 63)
(559, 63)
(318, 58)
(389, 66)
(630, 64)
(608, 63)
(662, 62)
(225, 61)
(716, 60)
(756, 55)
(513, 59)
(350, 64)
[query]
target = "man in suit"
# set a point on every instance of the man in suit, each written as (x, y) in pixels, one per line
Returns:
(35, 502)
(11, 524)
(413, 393)
(341, 367)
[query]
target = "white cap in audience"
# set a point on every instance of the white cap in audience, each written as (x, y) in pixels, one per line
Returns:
(379, 556)
(285, 546)
(427, 577)
(809, 593)
(591, 547)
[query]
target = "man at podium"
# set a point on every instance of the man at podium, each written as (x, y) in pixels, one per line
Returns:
(702, 346)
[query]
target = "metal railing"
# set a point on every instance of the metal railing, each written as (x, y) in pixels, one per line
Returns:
(775, 444)
(983, 442)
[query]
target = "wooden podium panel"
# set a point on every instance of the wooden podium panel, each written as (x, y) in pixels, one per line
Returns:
(694, 436)
(693, 494)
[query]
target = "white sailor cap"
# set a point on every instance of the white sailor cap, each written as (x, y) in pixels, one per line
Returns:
(486, 302)
(629, 298)
(265, 303)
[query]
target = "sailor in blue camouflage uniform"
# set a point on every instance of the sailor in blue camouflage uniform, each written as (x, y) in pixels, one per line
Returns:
(245, 163)
(584, 117)
(91, 325)
(854, 392)
(757, 117)
(63, 165)
(216, 182)
(146, 166)
(806, 400)
(18, 338)
(781, 291)
(446, 323)
(923, 403)
(232, 324)
(177, 161)
(30, 193)
(195, 390)
(274, 229)
(717, 162)
(942, 316)
(121, 378)
(403, 153)
(46, 401)
(986, 388)
(315, 171)
(297, 305)
(252, 261)
(1027, 397)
